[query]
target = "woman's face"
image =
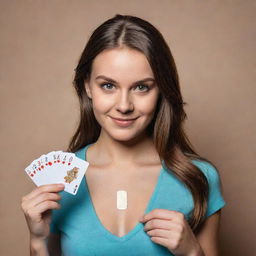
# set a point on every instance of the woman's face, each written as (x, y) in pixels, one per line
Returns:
(118, 92)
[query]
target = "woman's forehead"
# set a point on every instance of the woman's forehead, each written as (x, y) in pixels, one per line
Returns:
(121, 62)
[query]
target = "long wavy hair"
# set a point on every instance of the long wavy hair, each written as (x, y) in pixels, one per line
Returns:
(166, 128)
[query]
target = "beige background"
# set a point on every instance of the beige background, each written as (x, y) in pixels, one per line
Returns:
(213, 43)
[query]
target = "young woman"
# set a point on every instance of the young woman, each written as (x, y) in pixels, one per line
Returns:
(131, 133)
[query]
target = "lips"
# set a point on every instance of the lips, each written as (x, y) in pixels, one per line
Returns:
(123, 122)
(120, 119)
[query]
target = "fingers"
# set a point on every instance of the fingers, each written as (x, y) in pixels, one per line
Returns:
(35, 213)
(41, 198)
(43, 189)
(159, 233)
(164, 214)
(161, 224)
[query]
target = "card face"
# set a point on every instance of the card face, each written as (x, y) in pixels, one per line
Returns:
(58, 167)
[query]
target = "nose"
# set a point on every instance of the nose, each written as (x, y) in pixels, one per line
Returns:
(124, 103)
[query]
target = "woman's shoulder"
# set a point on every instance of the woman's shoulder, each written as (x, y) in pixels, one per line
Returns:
(215, 198)
(209, 169)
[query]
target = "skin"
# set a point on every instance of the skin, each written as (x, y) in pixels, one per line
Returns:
(36, 207)
(170, 229)
(125, 99)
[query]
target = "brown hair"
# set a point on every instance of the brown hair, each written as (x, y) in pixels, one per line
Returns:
(166, 128)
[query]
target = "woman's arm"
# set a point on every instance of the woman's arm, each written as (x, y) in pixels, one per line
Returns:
(38, 247)
(208, 236)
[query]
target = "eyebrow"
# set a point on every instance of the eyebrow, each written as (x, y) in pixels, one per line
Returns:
(113, 81)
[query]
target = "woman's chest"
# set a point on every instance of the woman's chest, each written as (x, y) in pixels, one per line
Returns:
(103, 186)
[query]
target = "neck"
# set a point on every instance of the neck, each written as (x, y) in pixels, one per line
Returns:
(107, 151)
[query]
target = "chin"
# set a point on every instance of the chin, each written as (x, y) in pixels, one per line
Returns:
(125, 136)
(122, 137)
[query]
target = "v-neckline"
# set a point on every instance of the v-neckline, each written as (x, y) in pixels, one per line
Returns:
(139, 225)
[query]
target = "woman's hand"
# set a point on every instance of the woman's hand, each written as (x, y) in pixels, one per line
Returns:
(37, 206)
(170, 229)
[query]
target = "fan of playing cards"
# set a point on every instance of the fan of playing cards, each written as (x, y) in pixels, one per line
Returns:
(58, 167)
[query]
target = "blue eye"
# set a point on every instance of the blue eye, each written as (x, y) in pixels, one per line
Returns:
(143, 86)
(103, 86)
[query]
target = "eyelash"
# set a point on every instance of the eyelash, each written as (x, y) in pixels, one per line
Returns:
(145, 86)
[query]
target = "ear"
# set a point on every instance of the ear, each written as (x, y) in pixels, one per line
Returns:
(88, 89)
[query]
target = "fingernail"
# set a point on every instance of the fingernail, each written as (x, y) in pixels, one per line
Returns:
(61, 185)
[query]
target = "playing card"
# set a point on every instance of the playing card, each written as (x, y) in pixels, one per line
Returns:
(32, 171)
(58, 167)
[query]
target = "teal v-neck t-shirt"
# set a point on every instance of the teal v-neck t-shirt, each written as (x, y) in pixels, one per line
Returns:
(82, 233)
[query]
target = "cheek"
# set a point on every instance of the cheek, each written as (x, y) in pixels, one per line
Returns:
(101, 104)
(147, 106)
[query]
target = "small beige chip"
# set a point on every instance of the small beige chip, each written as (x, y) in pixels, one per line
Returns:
(121, 200)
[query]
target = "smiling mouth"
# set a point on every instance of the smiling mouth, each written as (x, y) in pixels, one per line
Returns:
(121, 119)
(123, 122)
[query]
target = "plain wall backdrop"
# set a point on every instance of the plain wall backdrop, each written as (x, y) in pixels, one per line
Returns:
(213, 43)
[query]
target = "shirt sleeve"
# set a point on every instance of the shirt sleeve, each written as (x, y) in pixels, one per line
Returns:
(215, 197)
